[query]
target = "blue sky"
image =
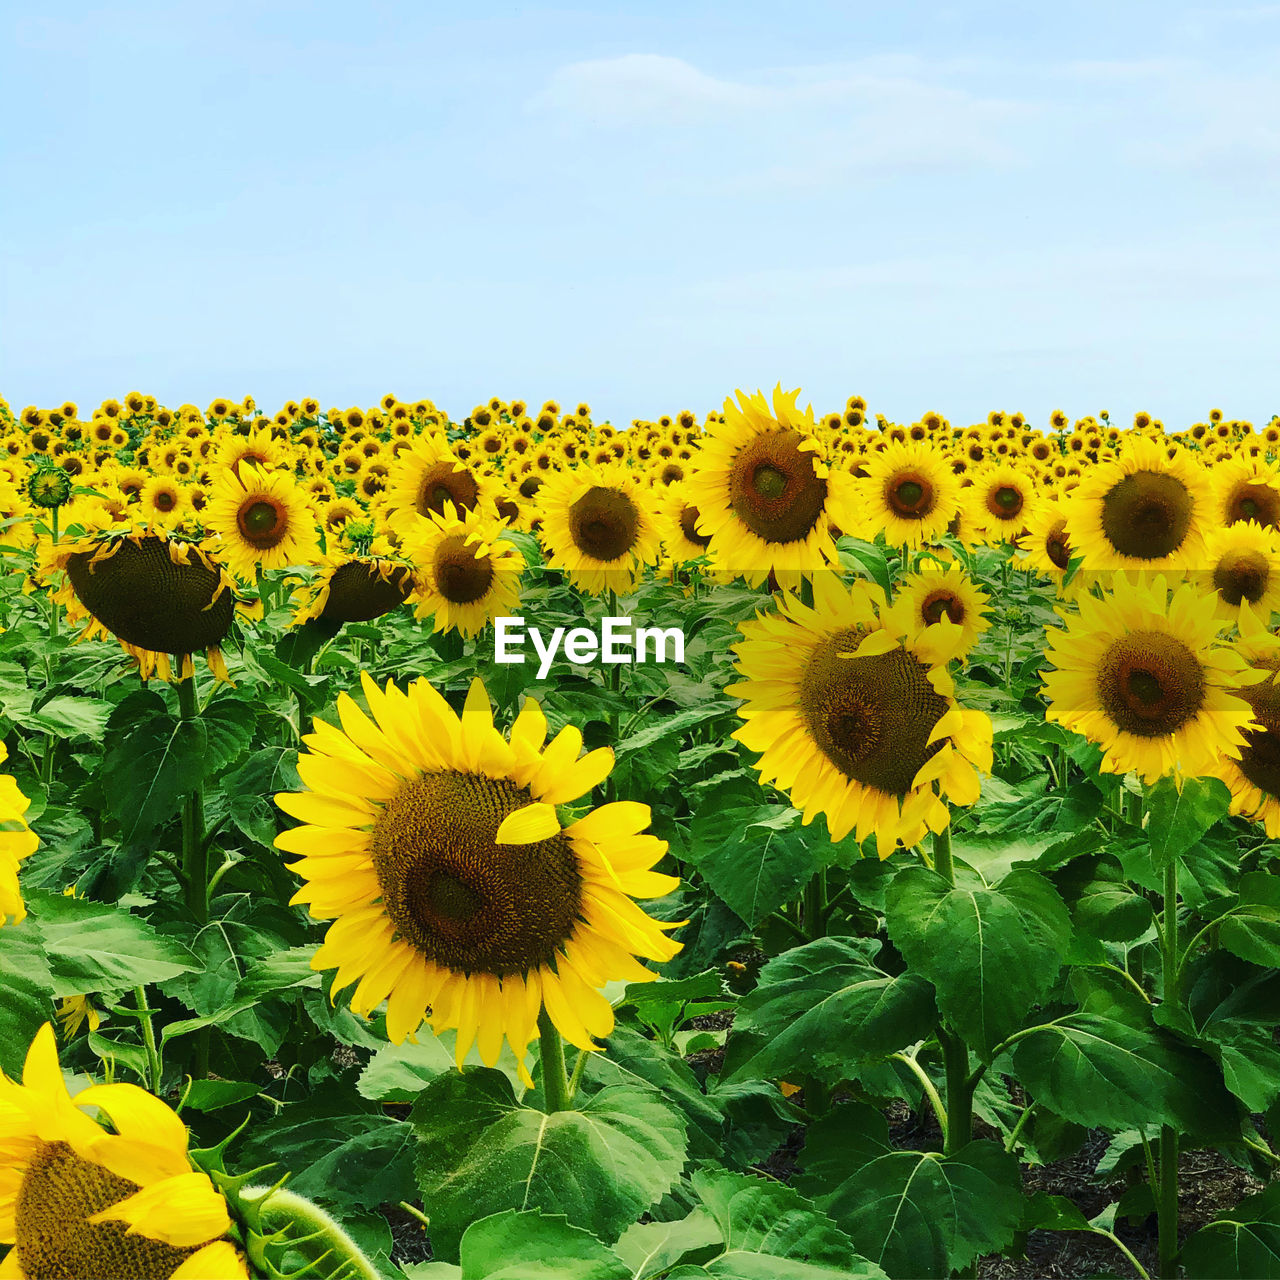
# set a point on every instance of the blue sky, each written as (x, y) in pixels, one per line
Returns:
(937, 206)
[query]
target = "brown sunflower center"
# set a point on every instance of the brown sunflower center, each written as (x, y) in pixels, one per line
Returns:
(1058, 547)
(604, 523)
(689, 527)
(530, 485)
(165, 501)
(262, 521)
(59, 1192)
(1241, 575)
(460, 899)
(1257, 502)
(871, 716)
(140, 595)
(941, 604)
(1147, 515)
(441, 484)
(1150, 683)
(1260, 756)
(774, 488)
(1005, 502)
(461, 576)
(910, 496)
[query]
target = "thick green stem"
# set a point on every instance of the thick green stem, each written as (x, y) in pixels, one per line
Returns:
(942, 862)
(195, 856)
(331, 1254)
(955, 1057)
(815, 905)
(555, 1084)
(149, 1040)
(1167, 1192)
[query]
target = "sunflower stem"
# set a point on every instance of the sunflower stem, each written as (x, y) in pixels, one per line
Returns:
(578, 1068)
(942, 861)
(149, 1039)
(955, 1057)
(815, 905)
(1167, 1192)
(326, 1248)
(195, 857)
(555, 1084)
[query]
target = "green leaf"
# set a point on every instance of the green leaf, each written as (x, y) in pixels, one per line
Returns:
(26, 993)
(665, 1004)
(1245, 1245)
(70, 717)
(650, 1248)
(213, 1095)
(481, 1152)
(1178, 818)
(922, 1214)
(754, 858)
(398, 1072)
(1106, 906)
(991, 953)
(822, 1006)
(529, 1245)
(1103, 1073)
(93, 946)
(1251, 930)
(228, 725)
(150, 765)
(1053, 1213)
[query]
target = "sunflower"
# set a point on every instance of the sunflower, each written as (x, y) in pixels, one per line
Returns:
(468, 573)
(77, 1199)
(1141, 511)
(1001, 500)
(17, 841)
(353, 588)
(157, 593)
(597, 527)
(909, 494)
(1047, 541)
(1254, 778)
(766, 492)
(923, 599)
(263, 521)
(1244, 563)
(678, 520)
(856, 717)
(435, 845)
(1247, 489)
(163, 500)
(1139, 673)
(430, 478)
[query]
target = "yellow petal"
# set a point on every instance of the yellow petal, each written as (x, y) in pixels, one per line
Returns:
(184, 1210)
(529, 825)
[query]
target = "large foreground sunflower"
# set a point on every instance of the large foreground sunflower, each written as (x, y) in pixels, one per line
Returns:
(597, 526)
(78, 1200)
(17, 841)
(1139, 673)
(765, 493)
(458, 897)
(857, 718)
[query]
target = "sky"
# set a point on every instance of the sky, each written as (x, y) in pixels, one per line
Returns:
(948, 207)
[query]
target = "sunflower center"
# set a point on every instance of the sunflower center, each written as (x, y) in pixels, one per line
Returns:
(1260, 756)
(774, 488)
(442, 484)
(1005, 502)
(263, 522)
(604, 523)
(164, 501)
(1147, 515)
(360, 592)
(1150, 683)
(459, 898)
(871, 716)
(1058, 548)
(461, 576)
(59, 1192)
(689, 527)
(910, 496)
(1258, 502)
(1241, 575)
(942, 604)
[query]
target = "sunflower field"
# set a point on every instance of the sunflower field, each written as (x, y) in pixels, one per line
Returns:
(769, 846)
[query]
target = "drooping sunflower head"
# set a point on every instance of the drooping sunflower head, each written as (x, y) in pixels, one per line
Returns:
(1139, 672)
(353, 588)
(598, 526)
(467, 572)
(1144, 510)
(765, 491)
(79, 1200)
(1243, 562)
(856, 719)
(262, 521)
(910, 494)
(459, 897)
